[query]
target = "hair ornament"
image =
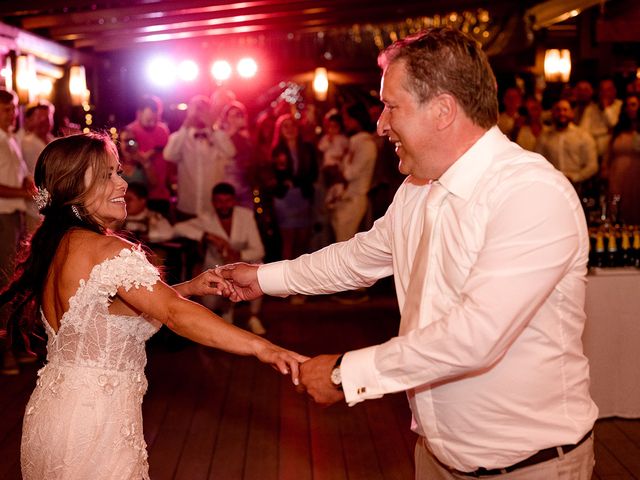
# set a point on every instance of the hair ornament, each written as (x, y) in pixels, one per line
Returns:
(42, 198)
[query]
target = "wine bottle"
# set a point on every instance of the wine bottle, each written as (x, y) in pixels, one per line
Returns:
(612, 250)
(599, 256)
(636, 247)
(626, 253)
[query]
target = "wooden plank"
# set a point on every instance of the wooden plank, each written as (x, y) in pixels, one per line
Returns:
(230, 448)
(215, 373)
(359, 450)
(162, 377)
(616, 442)
(606, 463)
(294, 457)
(15, 392)
(262, 445)
(393, 456)
(403, 421)
(10, 452)
(326, 444)
(18, 386)
(171, 437)
(630, 428)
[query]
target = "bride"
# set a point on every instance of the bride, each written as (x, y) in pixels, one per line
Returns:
(100, 300)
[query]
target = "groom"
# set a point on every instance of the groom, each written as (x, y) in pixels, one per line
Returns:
(489, 350)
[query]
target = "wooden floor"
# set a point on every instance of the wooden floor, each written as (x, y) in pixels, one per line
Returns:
(211, 415)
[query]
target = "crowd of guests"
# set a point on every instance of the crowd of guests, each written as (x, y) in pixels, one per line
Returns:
(219, 189)
(591, 135)
(224, 188)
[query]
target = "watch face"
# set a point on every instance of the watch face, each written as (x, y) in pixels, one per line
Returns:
(336, 378)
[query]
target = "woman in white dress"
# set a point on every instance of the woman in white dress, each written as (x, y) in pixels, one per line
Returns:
(100, 300)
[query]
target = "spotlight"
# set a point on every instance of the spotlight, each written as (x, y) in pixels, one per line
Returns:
(321, 83)
(161, 71)
(247, 67)
(188, 70)
(221, 70)
(45, 87)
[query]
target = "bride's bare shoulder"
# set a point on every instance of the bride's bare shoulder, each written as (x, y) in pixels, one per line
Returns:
(83, 249)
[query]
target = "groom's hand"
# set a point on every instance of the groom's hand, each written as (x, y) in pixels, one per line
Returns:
(243, 279)
(315, 378)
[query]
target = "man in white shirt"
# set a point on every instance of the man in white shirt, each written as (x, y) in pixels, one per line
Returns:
(230, 234)
(16, 186)
(512, 100)
(199, 153)
(350, 208)
(599, 118)
(569, 148)
(38, 123)
(489, 349)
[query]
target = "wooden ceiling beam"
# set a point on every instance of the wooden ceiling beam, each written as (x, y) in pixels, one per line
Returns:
(200, 20)
(330, 15)
(37, 7)
(158, 10)
(114, 24)
(214, 27)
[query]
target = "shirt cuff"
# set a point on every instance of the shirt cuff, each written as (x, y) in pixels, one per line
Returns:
(271, 279)
(359, 376)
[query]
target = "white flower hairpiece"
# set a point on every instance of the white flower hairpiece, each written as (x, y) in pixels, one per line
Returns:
(42, 198)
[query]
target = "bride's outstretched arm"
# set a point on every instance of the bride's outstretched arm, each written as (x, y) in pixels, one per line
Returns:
(199, 324)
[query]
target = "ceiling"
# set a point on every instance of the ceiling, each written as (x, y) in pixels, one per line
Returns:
(291, 37)
(116, 25)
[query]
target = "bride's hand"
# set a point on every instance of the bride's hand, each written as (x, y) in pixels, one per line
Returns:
(207, 283)
(285, 361)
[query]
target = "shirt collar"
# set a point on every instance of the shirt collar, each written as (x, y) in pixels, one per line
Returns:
(461, 178)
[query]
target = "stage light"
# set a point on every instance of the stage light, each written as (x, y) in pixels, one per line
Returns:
(321, 83)
(45, 87)
(78, 84)
(247, 67)
(161, 71)
(7, 74)
(221, 70)
(557, 65)
(188, 70)
(26, 82)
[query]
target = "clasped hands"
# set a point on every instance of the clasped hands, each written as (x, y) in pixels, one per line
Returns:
(239, 281)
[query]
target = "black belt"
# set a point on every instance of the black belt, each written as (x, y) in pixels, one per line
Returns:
(542, 456)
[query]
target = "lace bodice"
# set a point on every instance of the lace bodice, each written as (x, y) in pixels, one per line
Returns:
(89, 335)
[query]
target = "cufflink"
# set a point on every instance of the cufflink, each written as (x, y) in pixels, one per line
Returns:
(362, 390)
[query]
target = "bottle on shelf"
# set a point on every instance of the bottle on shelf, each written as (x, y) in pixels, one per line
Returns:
(626, 252)
(599, 253)
(612, 259)
(636, 247)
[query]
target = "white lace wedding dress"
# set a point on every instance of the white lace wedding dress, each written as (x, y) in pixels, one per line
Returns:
(84, 418)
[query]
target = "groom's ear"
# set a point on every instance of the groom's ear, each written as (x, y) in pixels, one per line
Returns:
(446, 108)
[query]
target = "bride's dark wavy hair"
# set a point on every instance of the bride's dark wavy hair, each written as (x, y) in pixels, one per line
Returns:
(69, 168)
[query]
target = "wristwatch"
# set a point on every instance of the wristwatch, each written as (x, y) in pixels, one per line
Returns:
(336, 377)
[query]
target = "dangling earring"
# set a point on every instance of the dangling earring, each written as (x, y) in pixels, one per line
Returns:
(76, 212)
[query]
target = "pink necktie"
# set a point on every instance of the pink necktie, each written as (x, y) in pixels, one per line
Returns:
(415, 290)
